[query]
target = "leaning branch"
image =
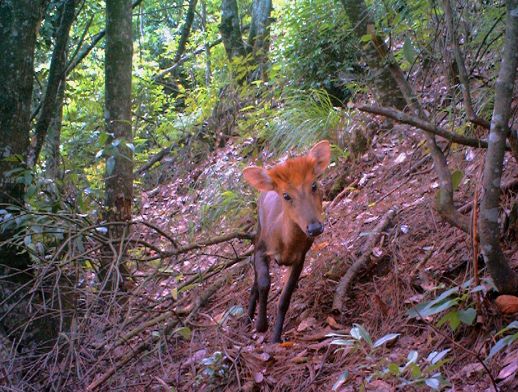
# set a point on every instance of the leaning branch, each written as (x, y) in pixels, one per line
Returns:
(422, 124)
(87, 49)
(342, 290)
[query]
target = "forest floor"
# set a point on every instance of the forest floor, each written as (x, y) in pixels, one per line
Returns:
(418, 257)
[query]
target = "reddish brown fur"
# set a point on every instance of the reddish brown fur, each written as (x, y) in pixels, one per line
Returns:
(290, 213)
(294, 172)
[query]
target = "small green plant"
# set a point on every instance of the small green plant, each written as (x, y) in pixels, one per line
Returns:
(505, 341)
(415, 373)
(358, 339)
(456, 301)
(215, 369)
(410, 373)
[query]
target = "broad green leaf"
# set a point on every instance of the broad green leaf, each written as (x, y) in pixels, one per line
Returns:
(365, 38)
(110, 165)
(468, 316)
(184, 332)
(394, 369)
(387, 338)
(409, 51)
(433, 383)
(342, 342)
(415, 370)
(436, 356)
(341, 379)
(452, 318)
(501, 344)
(412, 357)
(456, 178)
(363, 333)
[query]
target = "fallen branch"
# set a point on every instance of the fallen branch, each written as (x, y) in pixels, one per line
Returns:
(242, 235)
(343, 287)
(422, 124)
(211, 271)
(342, 194)
(154, 338)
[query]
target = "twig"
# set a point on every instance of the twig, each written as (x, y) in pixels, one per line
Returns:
(241, 234)
(346, 281)
(152, 339)
(342, 194)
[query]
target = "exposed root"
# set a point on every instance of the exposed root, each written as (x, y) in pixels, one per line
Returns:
(342, 290)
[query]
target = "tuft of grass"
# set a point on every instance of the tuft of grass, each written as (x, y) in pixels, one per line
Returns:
(306, 117)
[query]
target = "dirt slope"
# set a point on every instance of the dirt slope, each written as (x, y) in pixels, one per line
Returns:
(417, 258)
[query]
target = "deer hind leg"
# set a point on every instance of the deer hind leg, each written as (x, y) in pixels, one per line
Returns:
(284, 301)
(262, 280)
(254, 293)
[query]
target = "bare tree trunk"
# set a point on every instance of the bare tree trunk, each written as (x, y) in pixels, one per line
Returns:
(230, 29)
(52, 154)
(385, 87)
(505, 279)
(119, 164)
(56, 72)
(259, 35)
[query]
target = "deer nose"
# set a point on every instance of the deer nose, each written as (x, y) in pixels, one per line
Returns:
(314, 229)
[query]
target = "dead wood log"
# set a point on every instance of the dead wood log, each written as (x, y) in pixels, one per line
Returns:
(343, 287)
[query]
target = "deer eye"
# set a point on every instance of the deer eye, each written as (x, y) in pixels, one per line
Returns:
(286, 197)
(314, 187)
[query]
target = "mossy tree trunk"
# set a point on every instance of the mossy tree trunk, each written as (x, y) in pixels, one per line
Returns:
(230, 29)
(119, 163)
(385, 88)
(19, 23)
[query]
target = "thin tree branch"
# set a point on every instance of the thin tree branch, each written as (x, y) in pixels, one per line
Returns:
(463, 76)
(422, 124)
(87, 49)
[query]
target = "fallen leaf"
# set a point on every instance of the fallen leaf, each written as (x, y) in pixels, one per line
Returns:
(320, 246)
(471, 368)
(379, 386)
(299, 360)
(400, 158)
(377, 252)
(258, 377)
(509, 370)
(306, 324)
(300, 357)
(333, 324)
(507, 304)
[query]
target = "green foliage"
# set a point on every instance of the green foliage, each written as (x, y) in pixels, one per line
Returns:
(411, 372)
(314, 48)
(216, 368)
(505, 341)
(415, 373)
(455, 301)
(306, 117)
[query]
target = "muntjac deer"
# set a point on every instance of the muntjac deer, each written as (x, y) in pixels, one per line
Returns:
(289, 218)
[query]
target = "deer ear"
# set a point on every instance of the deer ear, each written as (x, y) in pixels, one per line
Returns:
(258, 178)
(321, 153)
